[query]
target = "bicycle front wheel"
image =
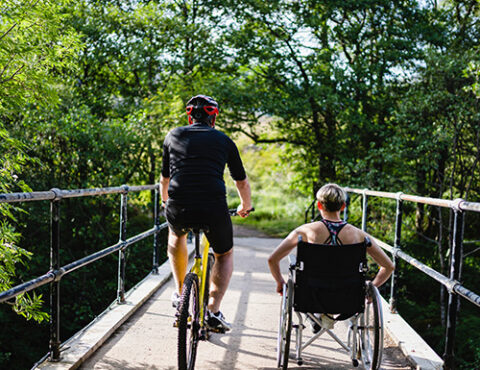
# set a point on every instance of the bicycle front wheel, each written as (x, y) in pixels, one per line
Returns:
(188, 323)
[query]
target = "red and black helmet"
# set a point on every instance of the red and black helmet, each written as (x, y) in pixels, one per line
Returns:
(202, 108)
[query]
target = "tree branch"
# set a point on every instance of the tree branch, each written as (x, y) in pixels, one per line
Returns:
(8, 31)
(13, 76)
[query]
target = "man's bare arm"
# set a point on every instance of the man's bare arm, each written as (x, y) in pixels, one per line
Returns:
(245, 194)
(164, 182)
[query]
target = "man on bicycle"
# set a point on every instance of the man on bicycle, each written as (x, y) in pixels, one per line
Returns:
(191, 184)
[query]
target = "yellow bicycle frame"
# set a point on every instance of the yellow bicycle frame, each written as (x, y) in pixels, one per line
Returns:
(199, 268)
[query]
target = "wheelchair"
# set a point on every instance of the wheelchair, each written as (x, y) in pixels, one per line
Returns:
(330, 280)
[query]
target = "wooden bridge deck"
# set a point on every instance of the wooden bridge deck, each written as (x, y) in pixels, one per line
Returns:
(148, 340)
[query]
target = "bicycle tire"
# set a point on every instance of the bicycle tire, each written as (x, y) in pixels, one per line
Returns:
(287, 326)
(372, 338)
(188, 323)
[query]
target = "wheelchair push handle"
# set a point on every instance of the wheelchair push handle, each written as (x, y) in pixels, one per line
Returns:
(233, 211)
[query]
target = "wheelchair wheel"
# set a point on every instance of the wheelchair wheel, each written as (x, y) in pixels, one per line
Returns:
(188, 323)
(285, 327)
(371, 335)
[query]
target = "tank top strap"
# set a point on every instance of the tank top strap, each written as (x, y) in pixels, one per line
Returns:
(333, 228)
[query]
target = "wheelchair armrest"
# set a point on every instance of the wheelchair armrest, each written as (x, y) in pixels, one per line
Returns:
(292, 260)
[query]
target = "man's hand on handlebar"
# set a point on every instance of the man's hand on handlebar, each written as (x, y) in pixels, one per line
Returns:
(243, 211)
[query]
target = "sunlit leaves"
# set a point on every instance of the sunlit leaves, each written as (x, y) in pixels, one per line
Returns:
(35, 46)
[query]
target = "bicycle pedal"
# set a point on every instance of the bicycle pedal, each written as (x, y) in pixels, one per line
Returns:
(217, 330)
(204, 334)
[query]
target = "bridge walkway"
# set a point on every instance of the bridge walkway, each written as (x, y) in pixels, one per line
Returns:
(147, 340)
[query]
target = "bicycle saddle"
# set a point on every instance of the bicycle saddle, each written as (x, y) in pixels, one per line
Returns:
(197, 227)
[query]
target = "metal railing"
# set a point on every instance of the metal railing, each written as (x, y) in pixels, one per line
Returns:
(57, 272)
(451, 283)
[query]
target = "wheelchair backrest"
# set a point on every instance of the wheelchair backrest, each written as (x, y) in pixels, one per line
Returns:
(330, 278)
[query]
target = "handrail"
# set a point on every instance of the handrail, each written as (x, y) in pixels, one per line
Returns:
(454, 204)
(450, 284)
(55, 194)
(56, 273)
(455, 289)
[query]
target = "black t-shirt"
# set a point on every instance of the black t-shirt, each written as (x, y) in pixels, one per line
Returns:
(194, 158)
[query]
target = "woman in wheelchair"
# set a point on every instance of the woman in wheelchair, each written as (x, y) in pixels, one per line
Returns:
(329, 234)
(330, 230)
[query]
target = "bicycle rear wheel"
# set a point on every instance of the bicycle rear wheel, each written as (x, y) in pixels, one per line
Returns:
(188, 323)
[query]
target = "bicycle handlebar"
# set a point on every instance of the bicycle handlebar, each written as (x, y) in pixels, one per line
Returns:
(233, 211)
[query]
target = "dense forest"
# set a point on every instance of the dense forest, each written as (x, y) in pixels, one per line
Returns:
(372, 94)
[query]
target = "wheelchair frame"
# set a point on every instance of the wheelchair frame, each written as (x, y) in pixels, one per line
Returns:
(365, 332)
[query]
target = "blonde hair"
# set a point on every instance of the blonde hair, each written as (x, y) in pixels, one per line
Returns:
(332, 197)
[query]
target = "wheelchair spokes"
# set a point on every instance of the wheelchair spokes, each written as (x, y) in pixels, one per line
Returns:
(372, 332)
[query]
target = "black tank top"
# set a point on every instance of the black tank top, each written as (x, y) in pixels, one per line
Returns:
(334, 228)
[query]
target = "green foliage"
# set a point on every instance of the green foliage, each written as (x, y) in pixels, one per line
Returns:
(11, 254)
(35, 47)
(370, 94)
(278, 205)
(32, 53)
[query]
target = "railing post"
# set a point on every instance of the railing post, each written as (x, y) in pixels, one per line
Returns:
(313, 210)
(156, 237)
(396, 246)
(54, 343)
(345, 210)
(364, 210)
(121, 252)
(455, 274)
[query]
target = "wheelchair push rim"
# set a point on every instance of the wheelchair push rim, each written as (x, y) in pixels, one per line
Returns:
(371, 336)
(285, 326)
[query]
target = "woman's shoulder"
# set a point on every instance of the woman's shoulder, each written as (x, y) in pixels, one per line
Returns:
(351, 234)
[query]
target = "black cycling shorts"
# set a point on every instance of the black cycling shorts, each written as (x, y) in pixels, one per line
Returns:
(215, 216)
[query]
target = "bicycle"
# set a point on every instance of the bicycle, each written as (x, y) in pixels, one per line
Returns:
(192, 308)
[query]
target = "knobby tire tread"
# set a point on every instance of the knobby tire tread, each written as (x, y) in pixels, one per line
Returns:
(187, 355)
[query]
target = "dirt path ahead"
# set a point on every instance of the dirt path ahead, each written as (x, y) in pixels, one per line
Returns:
(242, 231)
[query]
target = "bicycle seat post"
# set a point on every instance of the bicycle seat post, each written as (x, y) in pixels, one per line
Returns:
(196, 233)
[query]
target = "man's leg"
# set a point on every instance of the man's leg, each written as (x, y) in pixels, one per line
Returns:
(221, 274)
(178, 255)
